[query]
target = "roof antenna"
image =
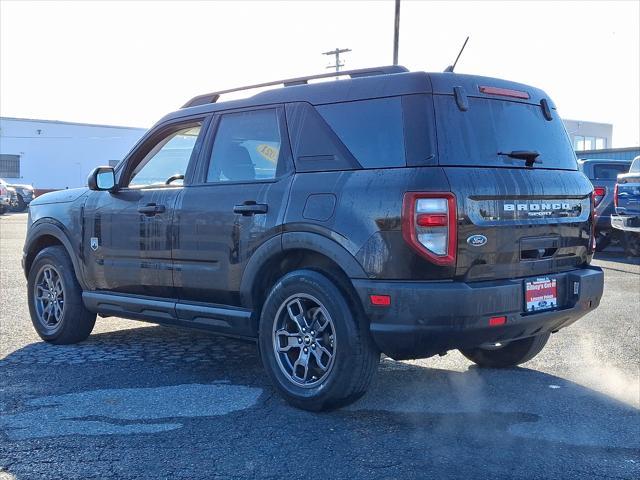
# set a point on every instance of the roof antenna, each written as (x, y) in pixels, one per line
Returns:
(451, 67)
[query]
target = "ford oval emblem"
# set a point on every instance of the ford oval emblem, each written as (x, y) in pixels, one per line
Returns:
(477, 240)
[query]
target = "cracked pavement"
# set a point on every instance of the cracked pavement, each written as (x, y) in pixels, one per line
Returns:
(138, 400)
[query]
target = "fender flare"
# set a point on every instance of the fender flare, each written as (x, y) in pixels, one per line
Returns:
(52, 228)
(310, 241)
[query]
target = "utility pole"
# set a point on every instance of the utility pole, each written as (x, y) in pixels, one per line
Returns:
(396, 33)
(337, 53)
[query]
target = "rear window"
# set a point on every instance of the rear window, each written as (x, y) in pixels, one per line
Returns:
(372, 130)
(474, 137)
(605, 171)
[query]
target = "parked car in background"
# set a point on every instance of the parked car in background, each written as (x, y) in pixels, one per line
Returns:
(603, 173)
(627, 208)
(5, 198)
(23, 194)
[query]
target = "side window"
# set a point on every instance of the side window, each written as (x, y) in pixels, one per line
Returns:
(372, 130)
(168, 159)
(246, 147)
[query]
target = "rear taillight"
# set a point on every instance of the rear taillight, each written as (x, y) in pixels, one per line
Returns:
(615, 196)
(429, 225)
(598, 195)
(3, 191)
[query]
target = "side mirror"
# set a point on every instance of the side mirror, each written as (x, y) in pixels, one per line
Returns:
(102, 178)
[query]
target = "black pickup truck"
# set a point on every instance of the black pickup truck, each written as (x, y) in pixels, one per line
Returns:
(401, 212)
(627, 208)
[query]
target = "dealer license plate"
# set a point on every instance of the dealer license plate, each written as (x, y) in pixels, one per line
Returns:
(540, 294)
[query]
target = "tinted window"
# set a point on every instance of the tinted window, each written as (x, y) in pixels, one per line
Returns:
(605, 171)
(372, 130)
(489, 126)
(246, 147)
(168, 158)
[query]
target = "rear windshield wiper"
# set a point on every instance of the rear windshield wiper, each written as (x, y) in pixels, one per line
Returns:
(529, 156)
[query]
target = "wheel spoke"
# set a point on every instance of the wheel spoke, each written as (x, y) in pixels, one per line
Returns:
(317, 321)
(302, 361)
(46, 313)
(318, 354)
(297, 318)
(47, 275)
(291, 342)
(57, 312)
(42, 294)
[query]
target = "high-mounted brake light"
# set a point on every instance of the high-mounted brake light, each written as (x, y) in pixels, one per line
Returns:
(429, 225)
(598, 195)
(504, 92)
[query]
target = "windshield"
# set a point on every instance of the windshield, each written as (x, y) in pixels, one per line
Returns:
(490, 130)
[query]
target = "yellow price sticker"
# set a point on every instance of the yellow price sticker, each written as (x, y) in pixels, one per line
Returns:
(268, 152)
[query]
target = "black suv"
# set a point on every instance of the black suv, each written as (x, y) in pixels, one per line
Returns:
(407, 213)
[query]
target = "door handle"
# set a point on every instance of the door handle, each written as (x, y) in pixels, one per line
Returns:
(151, 209)
(250, 208)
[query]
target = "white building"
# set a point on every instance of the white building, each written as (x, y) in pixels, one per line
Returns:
(54, 155)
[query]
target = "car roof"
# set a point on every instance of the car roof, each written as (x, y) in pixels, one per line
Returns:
(398, 82)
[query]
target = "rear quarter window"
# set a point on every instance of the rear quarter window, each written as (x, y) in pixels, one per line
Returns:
(372, 130)
(474, 137)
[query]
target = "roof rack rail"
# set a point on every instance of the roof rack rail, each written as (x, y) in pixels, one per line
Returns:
(363, 72)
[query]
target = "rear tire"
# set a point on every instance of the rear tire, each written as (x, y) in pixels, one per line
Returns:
(306, 324)
(21, 206)
(510, 355)
(632, 244)
(602, 241)
(55, 299)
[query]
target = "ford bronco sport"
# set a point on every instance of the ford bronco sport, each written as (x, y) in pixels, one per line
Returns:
(400, 212)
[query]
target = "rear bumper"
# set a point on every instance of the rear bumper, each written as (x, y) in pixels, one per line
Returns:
(628, 223)
(427, 318)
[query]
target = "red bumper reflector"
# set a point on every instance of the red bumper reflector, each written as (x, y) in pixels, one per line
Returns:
(380, 300)
(495, 321)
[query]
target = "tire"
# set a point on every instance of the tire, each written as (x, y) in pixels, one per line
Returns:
(510, 355)
(2, 209)
(67, 321)
(21, 206)
(631, 242)
(602, 241)
(334, 328)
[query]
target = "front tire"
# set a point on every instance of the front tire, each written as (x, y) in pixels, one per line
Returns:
(512, 354)
(55, 299)
(314, 344)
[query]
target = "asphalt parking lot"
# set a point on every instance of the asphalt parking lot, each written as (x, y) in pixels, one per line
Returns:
(142, 401)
